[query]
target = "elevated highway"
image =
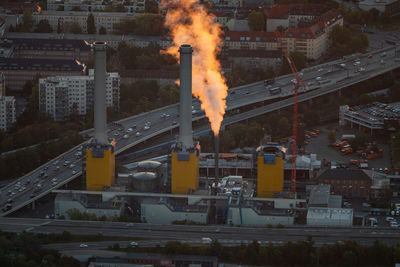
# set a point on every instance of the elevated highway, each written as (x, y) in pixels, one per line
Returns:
(337, 75)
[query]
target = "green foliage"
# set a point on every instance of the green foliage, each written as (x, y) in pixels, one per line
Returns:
(145, 24)
(344, 42)
(43, 26)
(27, 23)
(332, 136)
(75, 28)
(24, 249)
(241, 75)
(91, 27)
(102, 30)
(360, 141)
(76, 8)
(256, 21)
(151, 6)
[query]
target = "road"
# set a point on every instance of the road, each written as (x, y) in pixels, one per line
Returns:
(150, 235)
(60, 171)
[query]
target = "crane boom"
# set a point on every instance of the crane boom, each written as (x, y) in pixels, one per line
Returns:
(299, 83)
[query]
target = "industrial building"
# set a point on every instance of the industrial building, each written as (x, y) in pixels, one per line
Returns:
(48, 48)
(7, 106)
(325, 209)
(186, 186)
(18, 71)
(59, 96)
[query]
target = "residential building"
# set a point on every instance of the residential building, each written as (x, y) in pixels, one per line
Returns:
(391, 6)
(18, 7)
(350, 183)
(18, 71)
(7, 107)
(130, 6)
(50, 48)
(63, 20)
(59, 96)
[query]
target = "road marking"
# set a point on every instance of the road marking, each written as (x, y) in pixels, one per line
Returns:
(29, 229)
(45, 223)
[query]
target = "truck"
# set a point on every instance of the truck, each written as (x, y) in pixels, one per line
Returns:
(269, 81)
(346, 150)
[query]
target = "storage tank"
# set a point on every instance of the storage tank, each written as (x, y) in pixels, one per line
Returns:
(148, 165)
(145, 181)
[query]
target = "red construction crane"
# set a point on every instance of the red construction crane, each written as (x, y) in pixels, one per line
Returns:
(299, 83)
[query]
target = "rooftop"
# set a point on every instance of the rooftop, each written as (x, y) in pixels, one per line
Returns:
(319, 195)
(345, 174)
(329, 213)
(49, 44)
(41, 64)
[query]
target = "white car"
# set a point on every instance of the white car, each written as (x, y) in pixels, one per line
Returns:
(54, 183)
(126, 136)
(73, 172)
(72, 165)
(83, 246)
(389, 219)
(146, 127)
(133, 244)
(342, 65)
(129, 130)
(116, 133)
(138, 134)
(318, 79)
(321, 69)
(294, 81)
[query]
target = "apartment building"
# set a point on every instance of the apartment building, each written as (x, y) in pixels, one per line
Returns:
(391, 6)
(7, 107)
(18, 71)
(95, 5)
(49, 48)
(59, 96)
(65, 19)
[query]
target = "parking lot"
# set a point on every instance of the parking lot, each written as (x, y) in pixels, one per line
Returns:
(320, 145)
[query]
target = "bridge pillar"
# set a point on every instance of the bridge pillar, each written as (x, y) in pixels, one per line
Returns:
(310, 102)
(33, 205)
(340, 92)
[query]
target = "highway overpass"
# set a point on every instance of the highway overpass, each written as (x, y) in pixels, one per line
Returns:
(339, 74)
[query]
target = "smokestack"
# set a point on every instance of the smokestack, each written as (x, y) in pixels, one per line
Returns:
(100, 109)
(185, 128)
(216, 157)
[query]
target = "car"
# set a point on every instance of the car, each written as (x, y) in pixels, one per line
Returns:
(133, 244)
(83, 246)
(148, 123)
(389, 219)
(370, 56)
(174, 123)
(146, 127)
(342, 65)
(72, 165)
(397, 59)
(54, 179)
(116, 133)
(383, 54)
(362, 69)
(66, 163)
(36, 181)
(394, 224)
(32, 195)
(7, 207)
(194, 111)
(125, 136)
(138, 134)
(129, 130)
(318, 79)
(73, 172)
(10, 200)
(383, 62)
(321, 69)
(294, 81)
(357, 63)
(54, 183)
(129, 224)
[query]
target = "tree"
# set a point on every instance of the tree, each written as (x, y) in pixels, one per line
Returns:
(299, 59)
(283, 127)
(374, 14)
(149, 24)
(44, 26)
(386, 17)
(91, 27)
(151, 6)
(75, 28)
(102, 30)
(27, 21)
(256, 21)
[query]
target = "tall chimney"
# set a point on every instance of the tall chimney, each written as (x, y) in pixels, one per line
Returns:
(216, 158)
(100, 109)
(185, 128)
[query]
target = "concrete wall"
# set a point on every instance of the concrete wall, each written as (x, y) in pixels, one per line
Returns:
(251, 218)
(62, 206)
(161, 214)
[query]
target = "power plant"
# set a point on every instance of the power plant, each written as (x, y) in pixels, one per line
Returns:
(185, 184)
